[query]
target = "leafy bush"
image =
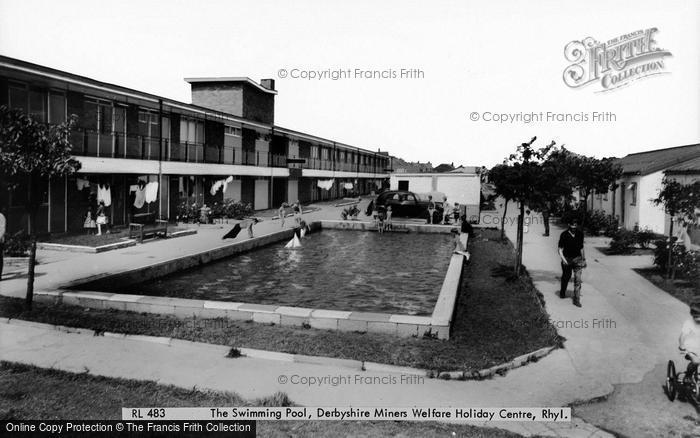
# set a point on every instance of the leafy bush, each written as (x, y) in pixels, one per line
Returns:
(661, 253)
(17, 245)
(594, 222)
(686, 264)
(190, 213)
(236, 210)
(644, 237)
(623, 242)
(187, 212)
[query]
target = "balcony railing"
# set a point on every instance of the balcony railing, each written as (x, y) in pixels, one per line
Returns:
(119, 145)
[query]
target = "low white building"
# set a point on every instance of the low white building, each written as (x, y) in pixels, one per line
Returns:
(462, 185)
(641, 180)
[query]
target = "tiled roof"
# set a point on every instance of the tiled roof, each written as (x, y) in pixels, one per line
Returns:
(644, 163)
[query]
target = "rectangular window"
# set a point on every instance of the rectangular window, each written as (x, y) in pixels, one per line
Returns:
(120, 120)
(90, 117)
(314, 151)
(104, 118)
(633, 196)
(18, 97)
(57, 108)
(191, 131)
(166, 128)
(37, 105)
(232, 130)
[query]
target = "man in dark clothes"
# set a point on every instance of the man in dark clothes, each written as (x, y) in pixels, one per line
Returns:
(573, 258)
(545, 218)
(466, 227)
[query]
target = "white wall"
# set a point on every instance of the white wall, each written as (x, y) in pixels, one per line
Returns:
(462, 188)
(417, 184)
(233, 190)
(650, 216)
(262, 188)
(292, 190)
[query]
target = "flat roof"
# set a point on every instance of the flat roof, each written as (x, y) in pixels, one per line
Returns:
(244, 79)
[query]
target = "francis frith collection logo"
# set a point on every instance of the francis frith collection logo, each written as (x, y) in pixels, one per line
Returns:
(616, 62)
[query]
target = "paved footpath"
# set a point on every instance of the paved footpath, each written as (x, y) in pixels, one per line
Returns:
(593, 361)
(622, 337)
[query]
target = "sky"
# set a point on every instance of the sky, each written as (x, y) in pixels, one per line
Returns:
(466, 63)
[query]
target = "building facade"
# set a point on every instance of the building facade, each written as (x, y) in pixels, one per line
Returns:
(641, 182)
(150, 154)
(462, 185)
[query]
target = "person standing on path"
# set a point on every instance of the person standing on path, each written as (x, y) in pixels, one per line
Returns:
(545, 218)
(573, 259)
(431, 209)
(282, 213)
(446, 211)
(297, 212)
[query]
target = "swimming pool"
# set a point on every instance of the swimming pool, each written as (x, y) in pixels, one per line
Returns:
(338, 270)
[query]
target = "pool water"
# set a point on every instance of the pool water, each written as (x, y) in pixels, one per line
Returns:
(333, 269)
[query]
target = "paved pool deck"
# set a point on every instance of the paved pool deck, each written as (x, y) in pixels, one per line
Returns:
(57, 269)
(595, 359)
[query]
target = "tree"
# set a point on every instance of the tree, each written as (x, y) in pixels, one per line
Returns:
(499, 176)
(520, 179)
(32, 152)
(680, 202)
(587, 174)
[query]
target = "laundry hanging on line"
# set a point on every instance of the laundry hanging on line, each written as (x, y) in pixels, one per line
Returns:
(104, 194)
(325, 184)
(348, 186)
(140, 193)
(82, 183)
(151, 192)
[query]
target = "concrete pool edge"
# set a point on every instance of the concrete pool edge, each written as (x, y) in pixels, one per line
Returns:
(437, 325)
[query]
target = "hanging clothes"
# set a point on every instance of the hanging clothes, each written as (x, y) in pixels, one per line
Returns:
(82, 183)
(100, 192)
(325, 184)
(151, 191)
(140, 197)
(347, 186)
(216, 186)
(107, 195)
(104, 194)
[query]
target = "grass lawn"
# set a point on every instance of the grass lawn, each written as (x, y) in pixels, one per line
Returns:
(496, 319)
(683, 289)
(92, 240)
(30, 393)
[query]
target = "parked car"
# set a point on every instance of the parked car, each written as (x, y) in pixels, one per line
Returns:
(408, 204)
